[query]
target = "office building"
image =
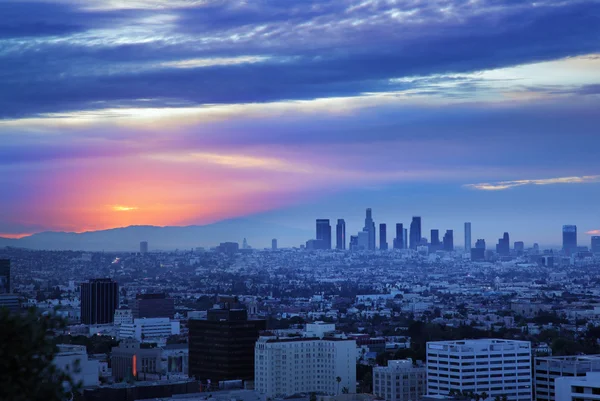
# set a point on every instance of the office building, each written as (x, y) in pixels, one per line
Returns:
(415, 232)
(383, 245)
(150, 330)
(569, 234)
(595, 244)
(494, 366)
(5, 282)
(274, 244)
(548, 369)
(435, 240)
(10, 302)
(144, 247)
(340, 234)
(324, 233)
(153, 305)
(578, 388)
(468, 244)
(400, 381)
(99, 300)
(363, 240)
(292, 365)
(519, 247)
(129, 360)
(449, 241)
(229, 248)
(399, 240)
(74, 359)
(405, 238)
(503, 246)
(353, 245)
(478, 253)
(123, 315)
(222, 346)
(370, 229)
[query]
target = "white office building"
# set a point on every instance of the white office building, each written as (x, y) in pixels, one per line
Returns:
(123, 316)
(548, 369)
(150, 330)
(400, 381)
(74, 360)
(578, 388)
(285, 366)
(495, 367)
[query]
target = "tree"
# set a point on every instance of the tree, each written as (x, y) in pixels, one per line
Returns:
(338, 380)
(27, 352)
(313, 396)
(345, 390)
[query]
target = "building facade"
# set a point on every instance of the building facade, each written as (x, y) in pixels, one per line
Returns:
(74, 359)
(150, 330)
(399, 240)
(370, 230)
(415, 232)
(569, 235)
(595, 244)
(99, 300)
(400, 381)
(129, 360)
(548, 369)
(468, 243)
(123, 315)
(579, 388)
(449, 241)
(324, 233)
(492, 366)
(153, 305)
(383, 245)
(340, 234)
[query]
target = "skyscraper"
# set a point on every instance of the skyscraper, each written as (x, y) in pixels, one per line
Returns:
(274, 244)
(435, 240)
(324, 233)
(449, 241)
(5, 284)
(468, 237)
(340, 234)
(569, 234)
(519, 247)
(405, 239)
(144, 247)
(383, 245)
(503, 246)
(415, 232)
(370, 229)
(99, 300)
(478, 253)
(596, 244)
(399, 240)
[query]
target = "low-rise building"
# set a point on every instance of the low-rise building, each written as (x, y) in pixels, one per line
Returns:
(578, 388)
(400, 381)
(548, 369)
(129, 360)
(155, 330)
(74, 360)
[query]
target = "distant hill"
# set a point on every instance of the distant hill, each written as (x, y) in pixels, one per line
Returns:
(258, 234)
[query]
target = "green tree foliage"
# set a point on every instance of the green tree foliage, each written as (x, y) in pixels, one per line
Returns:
(26, 354)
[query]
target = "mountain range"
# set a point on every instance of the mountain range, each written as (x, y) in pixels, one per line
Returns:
(258, 234)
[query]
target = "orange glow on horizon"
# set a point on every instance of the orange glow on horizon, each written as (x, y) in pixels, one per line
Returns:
(15, 236)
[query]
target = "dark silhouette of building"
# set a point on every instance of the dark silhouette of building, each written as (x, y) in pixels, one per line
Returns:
(274, 244)
(153, 305)
(519, 247)
(569, 234)
(449, 241)
(324, 233)
(399, 240)
(478, 253)
(222, 346)
(228, 247)
(340, 234)
(370, 229)
(405, 238)
(467, 237)
(595, 244)
(415, 232)
(383, 236)
(99, 300)
(144, 247)
(435, 240)
(353, 245)
(5, 282)
(503, 246)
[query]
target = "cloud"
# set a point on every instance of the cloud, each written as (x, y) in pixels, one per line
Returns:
(502, 185)
(593, 232)
(122, 208)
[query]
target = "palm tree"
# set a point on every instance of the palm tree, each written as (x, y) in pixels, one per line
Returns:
(338, 380)
(484, 396)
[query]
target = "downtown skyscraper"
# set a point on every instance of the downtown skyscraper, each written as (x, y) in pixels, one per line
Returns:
(468, 243)
(569, 235)
(324, 233)
(415, 232)
(383, 245)
(399, 240)
(340, 234)
(370, 230)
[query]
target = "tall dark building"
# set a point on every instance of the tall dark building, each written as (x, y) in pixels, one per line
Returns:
(5, 282)
(595, 244)
(478, 253)
(353, 245)
(324, 233)
(519, 247)
(153, 305)
(99, 300)
(569, 234)
(415, 232)
(399, 240)
(503, 246)
(370, 229)
(480, 244)
(144, 247)
(222, 346)
(449, 241)
(383, 236)
(435, 240)
(340, 234)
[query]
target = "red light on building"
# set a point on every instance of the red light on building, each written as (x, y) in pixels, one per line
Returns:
(134, 367)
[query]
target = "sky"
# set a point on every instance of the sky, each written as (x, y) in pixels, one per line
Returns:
(180, 112)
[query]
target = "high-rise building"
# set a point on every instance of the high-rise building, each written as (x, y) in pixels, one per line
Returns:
(383, 245)
(340, 234)
(153, 305)
(435, 240)
(468, 244)
(503, 246)
(519, 247)
(363, 240)
(324, 232)
(578, 388)
(478, 253)
(370, 229)
(548, 369)
(399, 240)
(353, 245)
(595, 244)
(405, 238)
(144, 247)
(415, 232)
(274, 244)
(99, 300)
(222, 346)
(494, 366)
(285, 366)
(569, 234)
(400, 380)
(5, 282)
(449, 241)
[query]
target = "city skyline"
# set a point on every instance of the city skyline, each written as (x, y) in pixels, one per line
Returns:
(175, 113)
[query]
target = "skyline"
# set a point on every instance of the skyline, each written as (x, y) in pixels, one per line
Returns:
(165, 113)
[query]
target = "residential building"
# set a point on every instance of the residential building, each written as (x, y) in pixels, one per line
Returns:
(547, 369)
(150, 330)
(493, 366)
(340, 234)
(578, 388)
(222, 345)
(99, 300)
(400, 380)
(153, 305)
(569, 236)
(74, 359)
(129, 360)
